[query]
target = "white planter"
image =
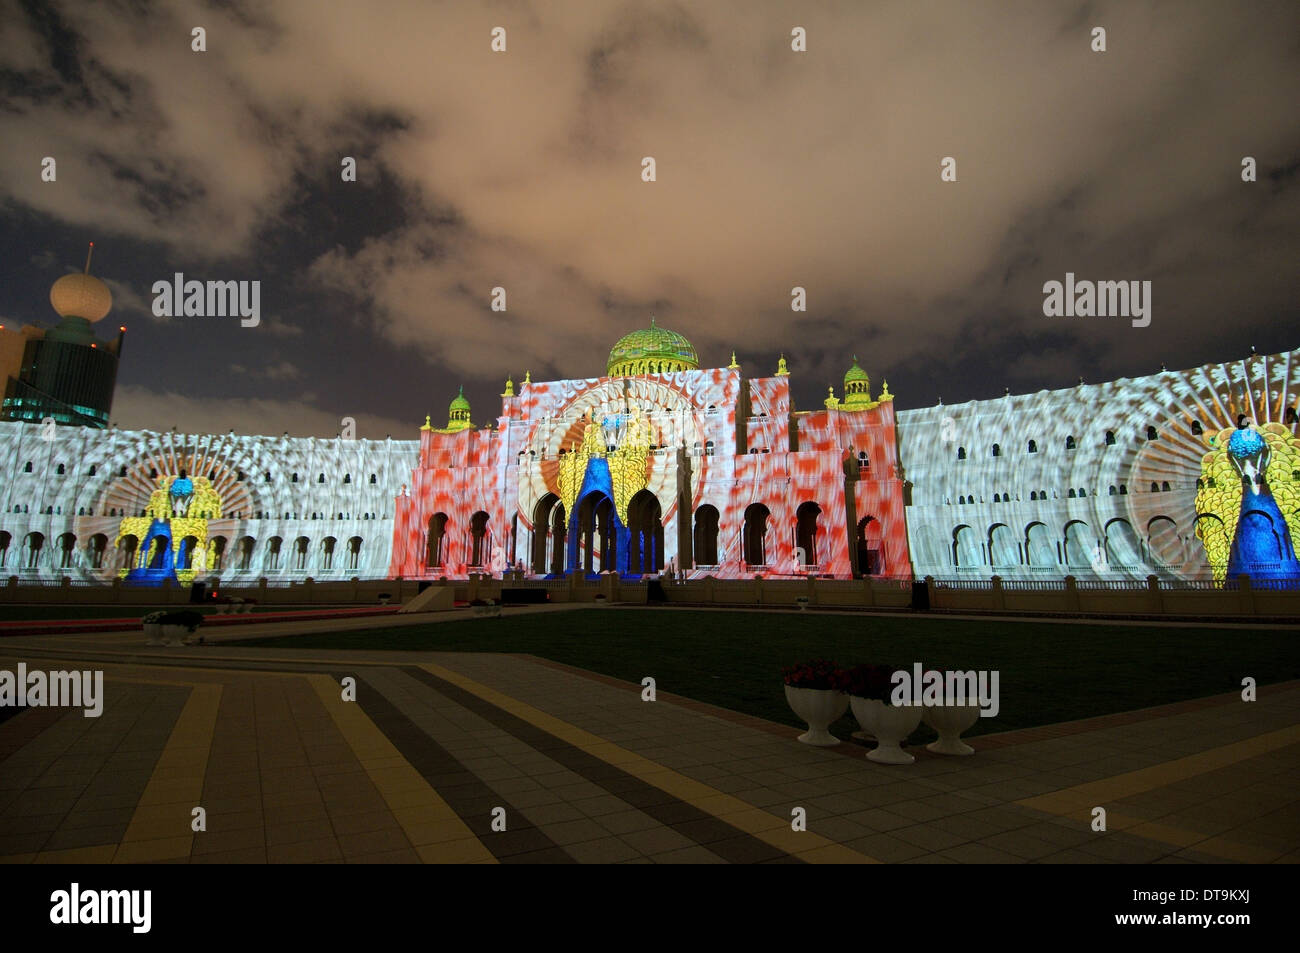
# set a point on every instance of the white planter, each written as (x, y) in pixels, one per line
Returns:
(820, 708)
(174, 634)
(890, 725)
(153, 634)
(950, 721)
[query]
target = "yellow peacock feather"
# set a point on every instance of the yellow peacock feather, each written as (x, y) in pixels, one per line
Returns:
(627, 464)
(1218, 500)
(205, 504)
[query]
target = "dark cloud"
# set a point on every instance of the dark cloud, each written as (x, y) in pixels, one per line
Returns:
(775, 169)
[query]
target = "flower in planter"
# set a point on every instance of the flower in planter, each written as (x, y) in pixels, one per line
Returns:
(153, 618)
(867, 681)
(185, 617)
(819, 673)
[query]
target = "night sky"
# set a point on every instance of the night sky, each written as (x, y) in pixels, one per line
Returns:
(523, 169)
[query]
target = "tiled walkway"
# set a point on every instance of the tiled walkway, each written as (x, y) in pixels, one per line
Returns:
(440, 751)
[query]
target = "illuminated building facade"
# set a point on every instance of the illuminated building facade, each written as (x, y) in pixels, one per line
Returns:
(659, 465)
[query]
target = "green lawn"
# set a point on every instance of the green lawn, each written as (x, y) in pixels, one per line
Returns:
(1049, 671)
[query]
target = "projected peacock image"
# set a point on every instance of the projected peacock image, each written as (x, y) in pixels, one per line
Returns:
(1248, 503)
(173, 532)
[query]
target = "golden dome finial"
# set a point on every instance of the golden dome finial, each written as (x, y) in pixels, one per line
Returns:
(781, 369)
(528, 379)
(427, 424)
(885, 394)
(510, 388)
(733, 366)
(832, 402)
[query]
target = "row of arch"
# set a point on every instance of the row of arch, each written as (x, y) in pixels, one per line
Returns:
(240, 475)
(247, 554)
(1080, 493)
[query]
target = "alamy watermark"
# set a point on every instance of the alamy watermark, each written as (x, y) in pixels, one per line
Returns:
(37, 689)
(1101, 299)
(76, 906)
(946, 689)
(211, 299)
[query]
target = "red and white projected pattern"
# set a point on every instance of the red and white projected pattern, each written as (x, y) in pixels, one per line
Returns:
(733, 499)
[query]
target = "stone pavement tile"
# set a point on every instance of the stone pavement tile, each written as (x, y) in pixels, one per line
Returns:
(363, 823)
(886, 848)
(77, 818)
(575, 832)
(26, 843)
(609, 850)
(525, 799)
(277, 816)
(554, 813)
(521, 840)
(879, 820)
(215, 842)
(148, 851)
(404, 856)
(1022, 845)
(1120, 848)
(1070, 856)
(687, 855)
(85, 837)
(232, 805)
(82, 855)
(304, 852)
(373, 842)
(977, 853)
(762, 797)
(11, 825)
(626, 822)
(931, 838)
(656, 840)
(297, 832)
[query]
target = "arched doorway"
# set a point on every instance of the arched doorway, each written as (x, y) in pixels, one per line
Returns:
(706, 536)
(597, 540)
(436, 548)
(755, 534)
(478, 536)
(871, 553)
(1003, 551)
(806, 532)
(548, 535)
(646, 540)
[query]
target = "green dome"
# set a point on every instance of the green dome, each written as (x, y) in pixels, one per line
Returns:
(857, 388)
(651, 350)
(459, 402)
(855, 372)
(458, 414)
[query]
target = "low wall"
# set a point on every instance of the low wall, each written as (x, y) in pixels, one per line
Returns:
(1054, 597)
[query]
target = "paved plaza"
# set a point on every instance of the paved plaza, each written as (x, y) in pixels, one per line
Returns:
(439, 750)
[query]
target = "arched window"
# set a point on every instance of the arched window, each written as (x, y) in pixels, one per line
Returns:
(1155, 487)
(997, 450)
(1196, 424)
(708, 448)
(153, 473)
(347, 478)
(1082, 492)
(294, 478)
(321, 478)
(1291, 417)
(1151, 433)
(354, 552)
(706, 536)
(1033, 495)
(755, 534)
(92, 470)
(373, 479)
(1033, 446)
(961, 453)
(268, 476)
(1110, 438)
(1113, 491)
(300, 553)
(327, 553)
(1069, 443)
(1164, 486)
(806, 534)
(121, 471)
(997, 497)
(1072, 494)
